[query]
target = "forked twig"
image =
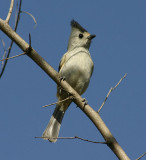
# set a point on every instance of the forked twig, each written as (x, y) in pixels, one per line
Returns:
(70, 97)
(113, 88)
(141, 156)
(21, 53)
(16, 25)
(10, 11)
(75, 137)
(11, 44)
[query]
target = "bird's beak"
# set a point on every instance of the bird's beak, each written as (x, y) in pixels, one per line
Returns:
(91, 36)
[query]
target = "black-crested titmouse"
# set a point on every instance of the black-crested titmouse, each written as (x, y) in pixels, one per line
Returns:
(76, 66)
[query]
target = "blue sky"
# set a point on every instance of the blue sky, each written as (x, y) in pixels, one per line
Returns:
(119, 48)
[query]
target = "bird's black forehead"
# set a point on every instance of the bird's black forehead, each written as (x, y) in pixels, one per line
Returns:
(75, 24)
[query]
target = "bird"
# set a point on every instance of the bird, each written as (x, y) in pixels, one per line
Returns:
(76, 67)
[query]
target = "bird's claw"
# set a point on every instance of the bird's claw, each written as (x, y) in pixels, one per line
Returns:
(62, 78)
(85, 102)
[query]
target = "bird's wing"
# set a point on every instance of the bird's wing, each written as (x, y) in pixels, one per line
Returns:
(62, 62)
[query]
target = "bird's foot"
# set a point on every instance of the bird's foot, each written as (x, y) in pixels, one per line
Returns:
(85, 102)
(62, 78)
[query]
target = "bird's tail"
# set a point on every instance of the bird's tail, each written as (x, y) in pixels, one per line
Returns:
(52, 131)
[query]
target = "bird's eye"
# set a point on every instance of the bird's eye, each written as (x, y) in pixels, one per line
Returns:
(80, 36)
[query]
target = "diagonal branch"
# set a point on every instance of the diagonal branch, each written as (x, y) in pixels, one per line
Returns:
(10, 11)
(141, 156)
(13, 56)
(92, 115)
(70, 97)
(113, 88)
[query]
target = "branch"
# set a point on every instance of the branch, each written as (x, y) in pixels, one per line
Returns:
(10, 11)
(18, 16)
(11, 44)
(5, 51)
(3, 43)
(75, 137)
(93, 116)
(13, 56)
(141, 156)
(110, 92)
(70, 97)
(31, 16)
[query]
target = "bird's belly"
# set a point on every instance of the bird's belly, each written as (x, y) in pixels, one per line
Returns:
(77, 72)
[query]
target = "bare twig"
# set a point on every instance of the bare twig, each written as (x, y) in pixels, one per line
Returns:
(5, 50)
(10, 11)
(11, 44)
(70, 97)
(30, 40)
(141, 156)
(75, 137)
(31, 16)
(4, 55)
(113, 88)
(18, 16)
(16, 13)
(13, 56)
(3, 43)
(21, 53)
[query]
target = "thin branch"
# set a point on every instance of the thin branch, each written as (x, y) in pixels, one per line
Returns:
(16, 13)
(10, 11)
(11, 44)
(31, 16)
(113, 88)
(120, 81)
(4, 55)
(75, 137)
(30, 41)
(3, 43)
(141, 156)
(70, 97)
(18, 16)
(5, 50)
(13, 56)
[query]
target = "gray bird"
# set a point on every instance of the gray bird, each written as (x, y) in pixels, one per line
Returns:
(76, 66)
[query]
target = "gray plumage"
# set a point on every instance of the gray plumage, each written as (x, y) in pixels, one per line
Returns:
(76, 66)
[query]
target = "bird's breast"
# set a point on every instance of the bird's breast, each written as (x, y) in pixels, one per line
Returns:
(77, 71)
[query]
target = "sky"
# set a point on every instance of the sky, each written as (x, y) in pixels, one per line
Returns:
(119, 48)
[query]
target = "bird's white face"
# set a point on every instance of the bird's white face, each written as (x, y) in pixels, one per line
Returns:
(79, 39)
